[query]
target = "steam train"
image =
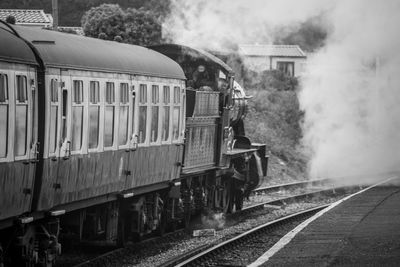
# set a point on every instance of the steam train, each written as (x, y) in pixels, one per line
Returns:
(108, 141)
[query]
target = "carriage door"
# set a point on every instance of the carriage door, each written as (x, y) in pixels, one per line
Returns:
(64, 140)
(25, 136)
(53, 146)
(127, 110)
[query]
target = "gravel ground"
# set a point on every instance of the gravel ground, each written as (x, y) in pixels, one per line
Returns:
(264, 197)
(226, 228)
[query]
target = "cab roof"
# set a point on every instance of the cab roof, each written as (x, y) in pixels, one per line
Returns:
(176, 51)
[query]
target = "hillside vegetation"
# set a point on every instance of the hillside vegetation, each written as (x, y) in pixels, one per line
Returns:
(274, 118)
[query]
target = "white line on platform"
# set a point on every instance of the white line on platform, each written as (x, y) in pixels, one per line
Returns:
(289, 236)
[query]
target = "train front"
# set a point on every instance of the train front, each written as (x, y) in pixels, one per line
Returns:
(220, 165)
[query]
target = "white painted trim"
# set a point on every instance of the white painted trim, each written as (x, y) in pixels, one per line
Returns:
(289, 236)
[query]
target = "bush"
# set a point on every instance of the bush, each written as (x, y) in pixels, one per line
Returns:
(274, 115)
(271, 79)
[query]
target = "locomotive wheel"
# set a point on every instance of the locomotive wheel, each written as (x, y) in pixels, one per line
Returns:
(186, 219)
(163, 224)
(239, 200)
(227, 203)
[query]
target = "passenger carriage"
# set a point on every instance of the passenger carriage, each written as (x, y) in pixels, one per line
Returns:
(108, 141)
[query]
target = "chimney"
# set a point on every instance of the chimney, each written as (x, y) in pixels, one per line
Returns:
(54, 7)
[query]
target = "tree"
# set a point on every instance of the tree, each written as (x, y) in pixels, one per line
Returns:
(107, 19)
(134, 26)
(10, 19)
(141, 27)
(310, 35)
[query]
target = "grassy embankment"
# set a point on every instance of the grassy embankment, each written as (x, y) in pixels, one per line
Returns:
(274, 118)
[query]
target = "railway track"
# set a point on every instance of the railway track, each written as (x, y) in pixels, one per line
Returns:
(116, 257)
(244, 248)
(295, 198)
(288, 186)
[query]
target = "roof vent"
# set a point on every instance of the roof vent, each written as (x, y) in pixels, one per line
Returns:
(43, 42)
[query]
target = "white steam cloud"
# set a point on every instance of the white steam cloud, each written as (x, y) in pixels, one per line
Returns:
(351, 94)
(217, 24)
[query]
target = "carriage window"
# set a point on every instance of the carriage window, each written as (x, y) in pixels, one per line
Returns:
(176, 114)
(64, 114)
(77, 115)
(143, 94)
(94, 92)
(94, 114)
(53, 91)
(165, 114)
(53, 115)
(177, 95)
(21, 89)
(78, 92)
(21, 116)
(142, 113)
(3, 115)
(123, 114)
(154, 113)
(133, 109)
(109, 115)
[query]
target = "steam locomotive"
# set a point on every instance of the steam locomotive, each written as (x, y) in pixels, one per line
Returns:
(108, 141)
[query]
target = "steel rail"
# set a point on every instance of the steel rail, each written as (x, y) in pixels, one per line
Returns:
(274, 188)
(195, 260)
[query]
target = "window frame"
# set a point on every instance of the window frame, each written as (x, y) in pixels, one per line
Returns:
(170, 105)
(9, 103)
(72, 105)
(105, 105)
(57, 104)
(286, 63)
(139, 106)
(28, 105)
(155, 102)
(129, 119)
(100, 118)
(181, 105)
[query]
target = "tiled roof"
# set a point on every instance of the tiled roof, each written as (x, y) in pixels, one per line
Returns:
(25, 16)
(272, 50)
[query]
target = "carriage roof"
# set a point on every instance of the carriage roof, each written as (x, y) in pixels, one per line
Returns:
(64, 50)
(14, 49)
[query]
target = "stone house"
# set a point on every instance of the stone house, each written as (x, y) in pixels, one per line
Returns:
(287, 58)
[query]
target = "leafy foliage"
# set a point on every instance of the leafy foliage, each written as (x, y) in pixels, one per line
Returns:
(71, 11)
(106, 19)
(274, 115)
(111, 22)
(310, 35)
(271, 79)
(10, 19)
(141, 27)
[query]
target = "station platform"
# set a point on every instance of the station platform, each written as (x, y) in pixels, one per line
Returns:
(363, 230)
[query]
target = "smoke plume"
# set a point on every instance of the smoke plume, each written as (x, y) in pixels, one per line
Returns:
(219, 25)
(350, 95)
